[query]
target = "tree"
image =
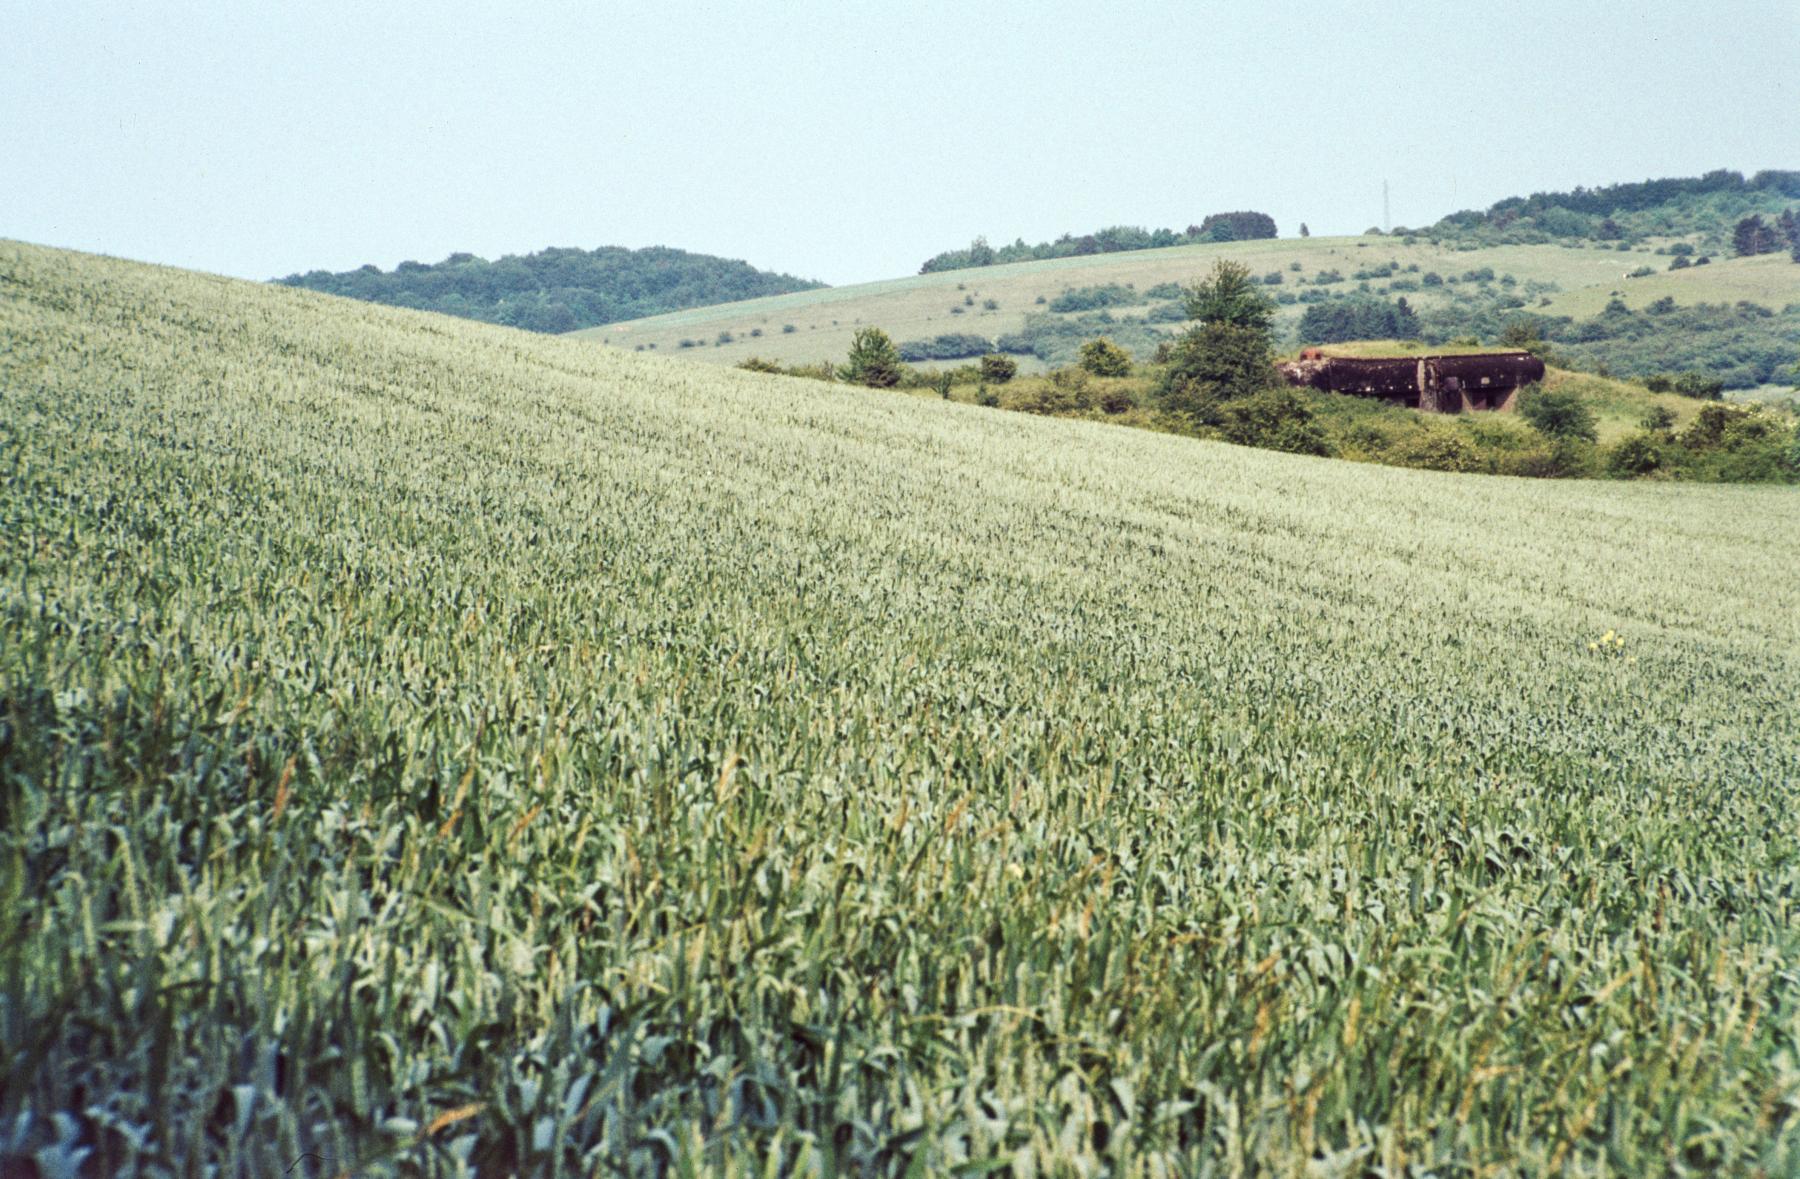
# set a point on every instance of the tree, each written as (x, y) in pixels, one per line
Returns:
(1230, 296)
(1526, 334)
(1558, 414)
(1638, 454)
(1305, 232)
(1359, 317)
(1104, 358)
(1245, 225)
(1227, 354)
(1753, 235)
(873, 360)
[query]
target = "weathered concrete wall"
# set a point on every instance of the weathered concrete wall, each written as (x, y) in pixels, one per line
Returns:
(1435, 384)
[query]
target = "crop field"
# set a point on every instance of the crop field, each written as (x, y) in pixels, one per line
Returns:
(921, 306)
(427, 748)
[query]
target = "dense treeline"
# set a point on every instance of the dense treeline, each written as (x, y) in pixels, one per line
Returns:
(559, 289)
(1754, 236)
(1216, 227)
(950, 346)
(1359, 317)
(1706, 206)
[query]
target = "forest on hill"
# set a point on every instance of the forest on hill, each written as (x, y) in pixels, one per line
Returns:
(1707, 207)
(1240, 226)
(558, 289)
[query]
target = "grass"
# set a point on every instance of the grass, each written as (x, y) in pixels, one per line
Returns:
(427, 747)
(1772, 280)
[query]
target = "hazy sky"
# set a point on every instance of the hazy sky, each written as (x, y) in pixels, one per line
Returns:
(842, 141)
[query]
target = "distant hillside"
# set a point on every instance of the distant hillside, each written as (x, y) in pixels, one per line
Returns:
(1720, 314)
(558, 290)
(1117, 239)
(1704, 209)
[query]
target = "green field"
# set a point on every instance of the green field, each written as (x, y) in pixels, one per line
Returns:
(920, 307)
(428, 747)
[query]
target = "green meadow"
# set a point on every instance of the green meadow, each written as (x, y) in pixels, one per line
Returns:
(432, 749)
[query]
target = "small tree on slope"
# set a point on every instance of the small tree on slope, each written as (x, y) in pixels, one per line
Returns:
(873, 361)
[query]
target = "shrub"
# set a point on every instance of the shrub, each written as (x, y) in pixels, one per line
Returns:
(990, 304)
(986, 396)
(998, 369)
(1638, 454)
(1094, 298)
(723, 338)
(1117, 401)
(1722, 425)
(1435, 448)
(1659, 384)
(788, 329)
(757, 364)
(1660, 417)
(1104, 358)
(1557, 414)
(1275, 419)
(1056, 395)
(687, 343)
(1699, 385)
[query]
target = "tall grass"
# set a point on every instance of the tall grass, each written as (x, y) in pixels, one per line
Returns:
(429, 749)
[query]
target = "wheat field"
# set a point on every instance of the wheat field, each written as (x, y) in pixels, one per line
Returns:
(428, 749)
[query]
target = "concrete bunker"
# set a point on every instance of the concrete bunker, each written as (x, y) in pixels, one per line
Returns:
(1436, 384)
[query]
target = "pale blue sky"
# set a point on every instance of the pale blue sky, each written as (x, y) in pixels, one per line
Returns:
(842, 141)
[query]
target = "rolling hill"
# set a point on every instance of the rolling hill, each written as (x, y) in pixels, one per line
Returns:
(426, 746)
(556, 290)
(1542, 280)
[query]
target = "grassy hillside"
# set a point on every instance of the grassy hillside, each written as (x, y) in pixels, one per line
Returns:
(427, 744)
(1538, 279)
